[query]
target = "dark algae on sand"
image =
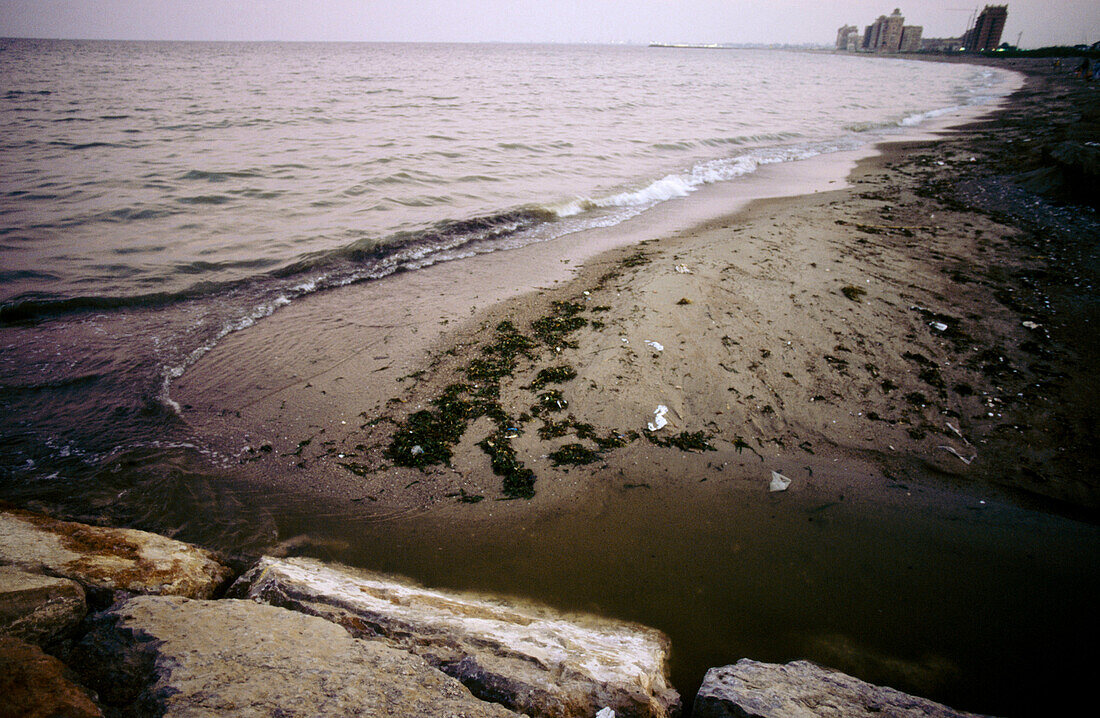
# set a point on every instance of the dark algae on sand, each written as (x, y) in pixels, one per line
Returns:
(427, 437)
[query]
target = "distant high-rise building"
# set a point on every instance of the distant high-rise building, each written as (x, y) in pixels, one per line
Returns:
(845, 36)
(986, 33)
(884, 34)
(910, 38)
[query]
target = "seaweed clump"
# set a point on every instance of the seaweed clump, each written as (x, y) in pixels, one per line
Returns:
(562, 321)
(518, 480)
(549, 401)
(553, 375)
(574, 454)
(684, 441)
(853, 292)
(426, 437)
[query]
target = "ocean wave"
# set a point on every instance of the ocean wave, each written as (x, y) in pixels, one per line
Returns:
(918, 117)
(403, 246)
(175, 371)
(219, 176)
(364, 258)
(211, 199)
(27, 309)
(12, 94)
(704, 173)
(83, 145)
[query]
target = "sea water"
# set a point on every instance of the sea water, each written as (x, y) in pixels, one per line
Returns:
(158, 197)
(150, 171)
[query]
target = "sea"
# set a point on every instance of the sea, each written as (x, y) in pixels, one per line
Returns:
(158, 197)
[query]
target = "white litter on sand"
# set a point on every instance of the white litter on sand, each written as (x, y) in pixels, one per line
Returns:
(779, 482)
(659, 419)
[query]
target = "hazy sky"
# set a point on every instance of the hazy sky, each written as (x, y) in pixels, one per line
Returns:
(1042, 22)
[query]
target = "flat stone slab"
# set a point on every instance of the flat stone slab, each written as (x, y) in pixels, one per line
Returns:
(108, 558)
(802, 689)
(531, 659)
(37, 608)
(185, 658)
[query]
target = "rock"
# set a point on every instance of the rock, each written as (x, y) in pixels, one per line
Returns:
(1080, 162)
(530, 659)
(108, 559)
(39, 609)
(804, 690)
(35, 685)
(173, 656)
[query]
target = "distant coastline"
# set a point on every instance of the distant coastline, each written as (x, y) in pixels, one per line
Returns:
(738, 46)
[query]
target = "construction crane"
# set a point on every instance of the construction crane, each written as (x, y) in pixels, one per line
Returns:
(973, 15)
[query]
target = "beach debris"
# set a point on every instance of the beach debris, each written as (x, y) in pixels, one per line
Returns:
(683, 269)
(779, 482)
(625, 340)
(853, 292)
(938, 326)
(605, 713)
(952, 450)
(659, 420)
(958, 433)
(684, 301)
(657, 346)
(416, 450)
(1031, 325)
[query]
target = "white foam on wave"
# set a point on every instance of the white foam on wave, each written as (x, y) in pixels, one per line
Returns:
(175, 372)
(410, 258)
(919, 117)
(674, 186)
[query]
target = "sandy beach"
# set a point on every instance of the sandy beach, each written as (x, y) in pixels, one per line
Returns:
(922, 324)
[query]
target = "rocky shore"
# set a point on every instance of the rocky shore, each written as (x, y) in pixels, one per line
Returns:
(98, 621)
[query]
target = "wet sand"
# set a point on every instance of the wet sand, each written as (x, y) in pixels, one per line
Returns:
(911, 346)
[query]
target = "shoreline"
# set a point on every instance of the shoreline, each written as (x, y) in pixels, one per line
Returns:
(352, 367)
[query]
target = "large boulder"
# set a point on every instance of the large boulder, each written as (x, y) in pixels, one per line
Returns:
(174, 657)
(39, 609)
(108, 559)
(531, 659)
(35, 685)
(804, 690)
